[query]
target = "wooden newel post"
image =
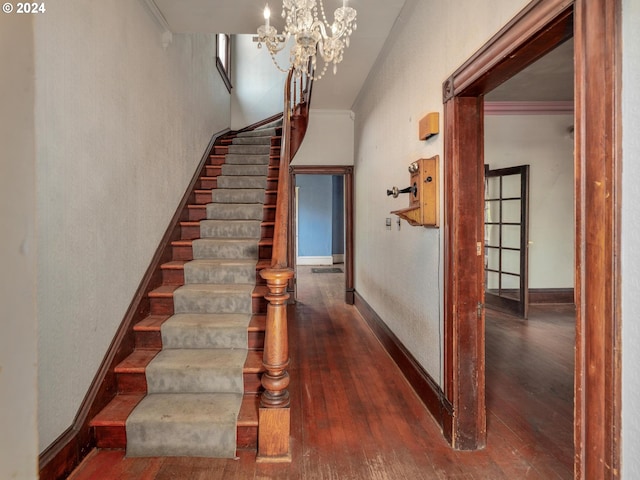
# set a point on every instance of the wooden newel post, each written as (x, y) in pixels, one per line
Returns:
(274, 415)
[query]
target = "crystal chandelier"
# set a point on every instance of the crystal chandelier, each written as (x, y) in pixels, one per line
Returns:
(312, 37)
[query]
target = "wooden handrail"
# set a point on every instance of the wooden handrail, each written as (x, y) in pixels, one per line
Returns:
(274, 414)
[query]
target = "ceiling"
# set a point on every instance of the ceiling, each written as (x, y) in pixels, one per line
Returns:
(375, 19)
(549, 79)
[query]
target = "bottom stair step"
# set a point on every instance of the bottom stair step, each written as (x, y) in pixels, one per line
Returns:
(110, 431)
(185, 425)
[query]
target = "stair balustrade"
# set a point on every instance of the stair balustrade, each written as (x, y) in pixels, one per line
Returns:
(274, 413)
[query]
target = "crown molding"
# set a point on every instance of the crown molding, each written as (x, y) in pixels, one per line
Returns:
(528, 108)
(167, 34)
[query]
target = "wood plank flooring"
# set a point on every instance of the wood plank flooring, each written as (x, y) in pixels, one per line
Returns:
(355, 417)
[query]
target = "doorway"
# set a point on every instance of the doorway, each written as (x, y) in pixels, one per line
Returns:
(539, 28)
(339, 182)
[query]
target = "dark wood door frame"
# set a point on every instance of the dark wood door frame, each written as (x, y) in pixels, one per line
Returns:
(347, 173)
(542, 25)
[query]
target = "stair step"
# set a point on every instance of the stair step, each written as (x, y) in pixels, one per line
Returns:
(243, 181)
(223, 271)
(197, 370)
(148, 332)
(132, 378)
(216, 159)
(189, 230)
(208, 182)
(230, 229)
(236, 248)
(235, 211)
(238, 195)
(244, 170)
(206, 331)
(110, 431)
(250, 149)
(173, 272)
(243, 159)
(203, 298)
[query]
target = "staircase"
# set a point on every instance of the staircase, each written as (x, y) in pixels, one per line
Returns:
(190, 387)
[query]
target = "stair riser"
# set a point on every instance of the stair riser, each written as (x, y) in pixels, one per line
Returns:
(250, 149)
(148, 340)
(234, 212)
(152, 340)
(134, 383)
(230, 230)
(216, 160)
(116, 437)
(212, 170)
(176, 277)
(225, 251)
(270, 198)
(247, 181)
(235, 159)
(181, 252)
(238, 196)
(266, 231)
(203, 197)
(221, 149)
(247, 438)
(112, 437)
(161, 306)
(172, 277)
(186, 303)
(129, 383)
(265, 252)
(189, 232)
(224, 274)
(197, 213)
(207, 183)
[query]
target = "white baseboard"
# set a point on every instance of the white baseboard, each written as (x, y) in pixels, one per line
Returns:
(338, 258)
(315, 260)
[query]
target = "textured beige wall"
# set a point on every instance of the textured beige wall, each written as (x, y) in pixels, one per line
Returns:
(121, 124)
(630, 240)
(329, 139)
(18, 346)
(429, 41)
(543, 143)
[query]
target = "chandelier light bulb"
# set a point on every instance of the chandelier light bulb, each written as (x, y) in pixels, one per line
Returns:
(267, 14)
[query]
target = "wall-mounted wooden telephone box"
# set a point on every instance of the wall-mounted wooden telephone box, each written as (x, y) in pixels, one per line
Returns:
(424, 193)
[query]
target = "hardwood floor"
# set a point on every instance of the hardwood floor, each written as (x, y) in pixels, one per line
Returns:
(355, 417)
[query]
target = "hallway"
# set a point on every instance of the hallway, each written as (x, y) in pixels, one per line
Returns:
(355, 417)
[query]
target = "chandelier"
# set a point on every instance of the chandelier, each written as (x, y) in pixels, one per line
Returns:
(311, 36)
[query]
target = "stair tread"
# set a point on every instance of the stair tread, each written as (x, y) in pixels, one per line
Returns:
(152, 323)
(218, 287)
(163, 291)
(253, 363)
(173, 265)
(257, 323)
(116, 412)
(136, 362)
(248, 415)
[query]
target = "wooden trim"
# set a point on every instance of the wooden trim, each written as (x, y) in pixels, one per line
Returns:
(68, 450)
(424, 385)
(598, 180)
(347, 172)
(535, 31)
(528, 108)
(541, 26)
(464, 272)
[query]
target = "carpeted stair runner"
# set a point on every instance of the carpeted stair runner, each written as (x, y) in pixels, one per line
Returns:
(195, 384)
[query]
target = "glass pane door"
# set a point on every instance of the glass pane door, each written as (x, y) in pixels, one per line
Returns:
(506, 238)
